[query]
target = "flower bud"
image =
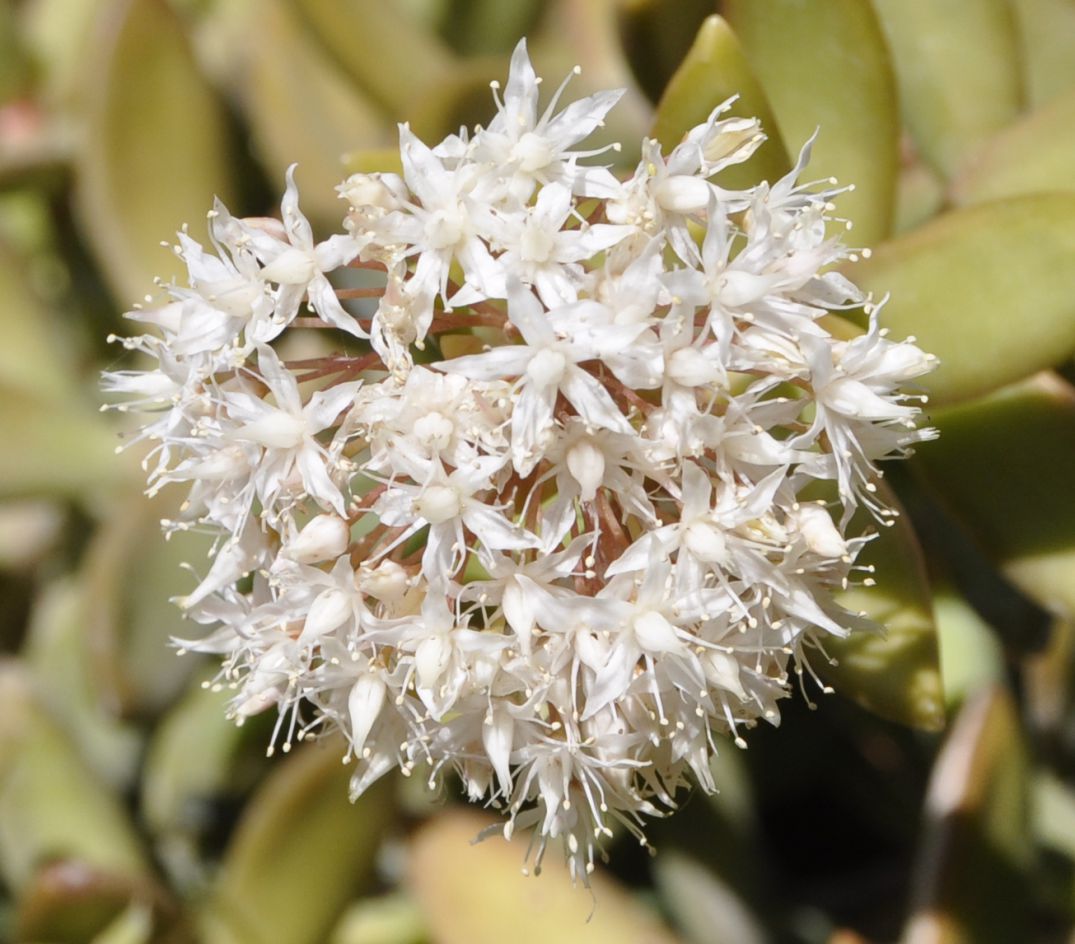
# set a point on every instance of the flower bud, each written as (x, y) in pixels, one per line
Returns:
(388, 582)
(819, 533)
(326, 537)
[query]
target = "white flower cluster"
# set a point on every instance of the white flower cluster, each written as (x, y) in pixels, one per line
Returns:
(544, 522)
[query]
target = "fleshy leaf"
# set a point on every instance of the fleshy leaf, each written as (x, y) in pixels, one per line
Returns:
(958, 69)
(826, 66)
(132, 574)
(1016, 498)
(57, 652)
(63, 448)
(715, 69)
(388, 55)
(475, 893)
(68, 901)
(304, 109)
(1047, 31)
(299, 854)
(975, 845)
(189, 766)
(895, 674)
(153, 150)
(972, 656)
(703, 905)
(954, 286)
(30, 358)
(1035, 155)
(51, 805)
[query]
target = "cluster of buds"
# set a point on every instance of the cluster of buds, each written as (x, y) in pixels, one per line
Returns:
(549, 516)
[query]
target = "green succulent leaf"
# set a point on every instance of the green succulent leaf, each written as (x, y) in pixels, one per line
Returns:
(132, 574)
(895, 673)
(958, 69)
(475, 893)
(153, 151)
(825, 66)
(1047, 32)
(703, 905)
(29, 359)
(60, 448)
(972, 657)
(51, 805)
(303, 108)
(387, 53)
(715, 69)
(1034, 155)
(300, 853)
(190, 765)
(58, 654)
(953, 287)
(1015, 498)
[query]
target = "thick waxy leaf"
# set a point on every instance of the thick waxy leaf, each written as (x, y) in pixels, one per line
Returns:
(51, 806)
(715, 69)
(975, 843)
(69, 902)
(62, 448)
(825, 65)
(972, 657)
(1004, 465)
(30, 358)
(304, 109)
(300, 853)
(152, 155)
(476, 893)
(920, 195)
(132, 574)
(587, 35)
(958, 69)
(706, 909)
(388, 919)
(57, 652)
(1035, 155)
(189, 767)
(1047, 31)
(895, 673)
(989, 290)
(390, 57)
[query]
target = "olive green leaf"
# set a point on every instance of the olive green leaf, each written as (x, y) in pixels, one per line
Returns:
(958, 68)
(57, 653)
(989, 290)
(30, 357)
(895, 673)
(476, 893)
(1003, 465)
(152, 150)
(57, 448)
(132, 574)
(299, 854)
(1034, 155)
(715, 69)
(1047, 33)
(190, 765)
(972, 657)
(703, 905)
(51, 805)
(390, 57)
(304, 109)
(826, 66)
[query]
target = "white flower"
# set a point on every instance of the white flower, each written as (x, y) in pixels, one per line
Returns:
(578, 541)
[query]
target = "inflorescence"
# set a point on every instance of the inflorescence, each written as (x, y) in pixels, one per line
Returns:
(570, 502)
